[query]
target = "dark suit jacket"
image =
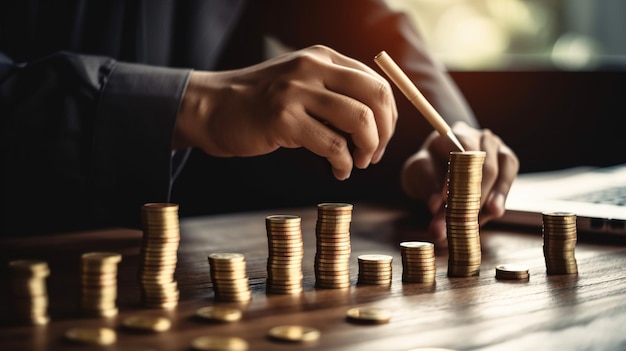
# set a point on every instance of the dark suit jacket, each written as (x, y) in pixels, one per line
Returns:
(89, 92)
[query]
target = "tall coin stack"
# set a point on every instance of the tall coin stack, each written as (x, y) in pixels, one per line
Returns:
(332, 259)
(375, 269)
(159, 250)
(465, 173)
(99, 283)
(28, 291)
(229, 277)
(418, 262)
(286, 250)
(559, 242)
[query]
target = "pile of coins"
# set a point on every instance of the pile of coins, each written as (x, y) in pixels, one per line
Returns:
(418, 262)
(159, 255)
(332, 258)
(559, 242)
(375, 269)
(28, 291)
(99, 283)
(286, 250)
(462, 207)
(229, 277)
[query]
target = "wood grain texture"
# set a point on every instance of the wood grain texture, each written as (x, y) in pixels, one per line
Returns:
(571, 312)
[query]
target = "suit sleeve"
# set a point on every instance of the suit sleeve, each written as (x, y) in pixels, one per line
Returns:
(86, 141)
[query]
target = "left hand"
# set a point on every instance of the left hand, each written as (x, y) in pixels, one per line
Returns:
(424, 174)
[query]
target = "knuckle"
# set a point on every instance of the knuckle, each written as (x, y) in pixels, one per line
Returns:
(363, 116)
(337, 145)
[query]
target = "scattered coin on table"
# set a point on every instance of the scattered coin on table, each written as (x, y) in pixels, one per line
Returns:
(146, 323)
(93, 335)
(219, 314)
(294, 333)
(368, 315)
(219, 343)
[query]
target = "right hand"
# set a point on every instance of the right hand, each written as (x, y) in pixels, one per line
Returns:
(308, 98)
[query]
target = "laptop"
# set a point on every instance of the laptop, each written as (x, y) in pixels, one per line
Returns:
(596, 195)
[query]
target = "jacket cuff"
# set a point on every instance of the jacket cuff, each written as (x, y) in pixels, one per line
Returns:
(135, 121)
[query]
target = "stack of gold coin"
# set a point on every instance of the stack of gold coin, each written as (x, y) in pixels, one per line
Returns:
(559, 242)
(99, 283)
(418, 262)
(161, 236)
(332, 259)
(462, 208)
(286, 250)
(375, 269)
(229, 277)
(28, 291)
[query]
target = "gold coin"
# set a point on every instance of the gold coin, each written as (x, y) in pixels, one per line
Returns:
(219, 343)
(153, 324)
(101, 257)
(294, 333)
(512, 268)
(368, 315)
(226, 256)
(96, 335)
(220, 314)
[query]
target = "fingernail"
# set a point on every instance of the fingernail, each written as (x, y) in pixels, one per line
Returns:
(378, 156)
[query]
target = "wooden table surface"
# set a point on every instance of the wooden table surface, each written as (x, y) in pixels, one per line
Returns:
(586, 311)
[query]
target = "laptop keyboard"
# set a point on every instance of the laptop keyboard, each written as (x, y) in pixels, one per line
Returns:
(609, 196)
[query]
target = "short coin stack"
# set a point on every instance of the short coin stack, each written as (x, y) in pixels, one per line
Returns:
(418, 262)
(559, 242)
(512, 272)
(229, 277)
(28, 291)
(159, 255)
(462, 208)
(99, 283)
(375, 269)
(286, 250)
(332, 259)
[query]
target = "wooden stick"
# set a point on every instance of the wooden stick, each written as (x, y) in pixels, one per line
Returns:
(395, 73)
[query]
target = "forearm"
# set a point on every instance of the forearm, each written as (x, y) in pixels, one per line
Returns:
(91, 135)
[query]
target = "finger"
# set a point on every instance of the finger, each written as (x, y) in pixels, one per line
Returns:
(352, 78)
(490, 144)
(508, 169)
(347, 115)
(301, 130)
